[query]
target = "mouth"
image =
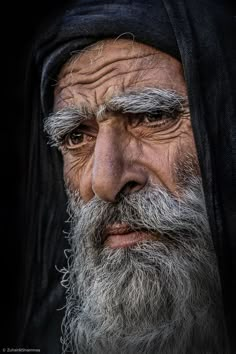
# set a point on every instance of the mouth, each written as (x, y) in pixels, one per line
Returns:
(122, 236)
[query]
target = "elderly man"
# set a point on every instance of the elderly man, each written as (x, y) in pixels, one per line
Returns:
(129, 112)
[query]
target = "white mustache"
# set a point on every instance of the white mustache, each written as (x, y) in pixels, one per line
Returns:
(153, 209)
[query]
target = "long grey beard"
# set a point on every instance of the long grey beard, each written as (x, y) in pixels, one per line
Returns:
(159, 296)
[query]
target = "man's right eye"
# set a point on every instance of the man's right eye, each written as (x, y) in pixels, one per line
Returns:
(74, 139)
(78, 138)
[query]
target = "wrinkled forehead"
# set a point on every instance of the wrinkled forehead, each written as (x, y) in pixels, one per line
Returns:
(112, 67)
(109, 50)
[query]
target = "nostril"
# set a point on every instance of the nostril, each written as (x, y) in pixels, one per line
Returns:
(130, 187)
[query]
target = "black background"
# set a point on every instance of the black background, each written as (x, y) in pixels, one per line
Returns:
(20, 20)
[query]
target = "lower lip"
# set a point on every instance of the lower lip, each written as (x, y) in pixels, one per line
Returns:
(127, 240)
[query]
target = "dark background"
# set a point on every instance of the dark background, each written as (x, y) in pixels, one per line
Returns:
(20, 21)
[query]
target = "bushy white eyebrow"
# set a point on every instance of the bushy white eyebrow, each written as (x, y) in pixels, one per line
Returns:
(148, 100)
(60, 123)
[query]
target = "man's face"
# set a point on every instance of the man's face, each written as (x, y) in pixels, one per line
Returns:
(121, 152)
(142, 270)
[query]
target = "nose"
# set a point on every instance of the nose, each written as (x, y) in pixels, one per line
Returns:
(115, 168)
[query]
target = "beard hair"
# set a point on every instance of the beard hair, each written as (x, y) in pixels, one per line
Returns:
(160, 296)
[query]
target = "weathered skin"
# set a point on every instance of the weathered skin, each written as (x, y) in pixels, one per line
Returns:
(116, 155)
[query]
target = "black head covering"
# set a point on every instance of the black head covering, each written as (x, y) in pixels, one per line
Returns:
(198, 33)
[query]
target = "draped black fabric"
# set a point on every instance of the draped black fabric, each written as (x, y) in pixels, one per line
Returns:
(201, 35)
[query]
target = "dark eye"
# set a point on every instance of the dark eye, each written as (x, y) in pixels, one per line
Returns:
(154, 117)
(74, 139)
(148, 119)
(158, 119)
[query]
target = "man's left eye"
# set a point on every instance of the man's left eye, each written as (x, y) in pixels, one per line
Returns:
(157, 119)
(154, 117)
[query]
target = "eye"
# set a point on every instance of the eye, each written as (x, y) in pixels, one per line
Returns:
(76, 138)
(155, 117)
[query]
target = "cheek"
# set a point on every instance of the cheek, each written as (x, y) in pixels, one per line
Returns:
(159, 160)
(74, 165)
(71, 175)
(186, 165)
(162, 158)
(77, 174)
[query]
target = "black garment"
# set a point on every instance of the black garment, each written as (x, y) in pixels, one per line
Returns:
(201, 35)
